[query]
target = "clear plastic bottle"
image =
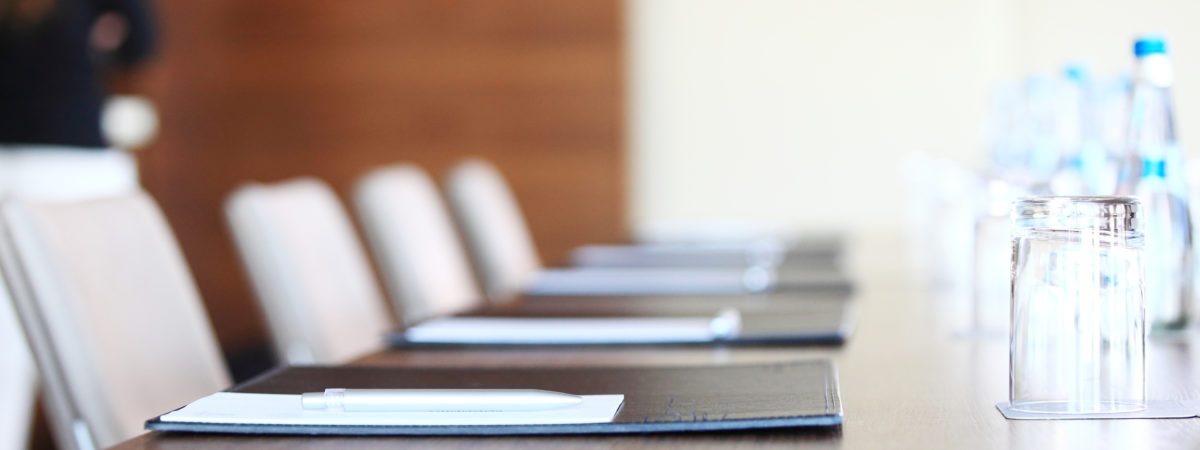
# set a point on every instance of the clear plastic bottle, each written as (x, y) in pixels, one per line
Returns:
(993, 258)
(1069, 129)
(1045, 156)
(1153, 171)
(1085, 166)
(1112, 119)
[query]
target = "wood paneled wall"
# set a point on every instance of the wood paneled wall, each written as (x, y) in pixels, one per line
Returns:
(271, 89)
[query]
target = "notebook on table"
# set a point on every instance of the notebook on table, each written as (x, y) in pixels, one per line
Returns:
(707, 255)
(692, 281)
(676, 304)
(662, 399)
(819, 321)
(800, 279)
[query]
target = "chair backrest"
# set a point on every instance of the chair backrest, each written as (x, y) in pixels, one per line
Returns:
(309, 271)
(423, 263)
(18, 377)
(493, 227)
(111, 312)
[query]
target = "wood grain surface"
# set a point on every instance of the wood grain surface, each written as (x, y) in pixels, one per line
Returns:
(911, 377)
(266, 90)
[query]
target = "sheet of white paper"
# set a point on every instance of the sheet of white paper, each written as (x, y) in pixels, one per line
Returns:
(647, 281)
(538, 330)
(766, 253)
(279, 409)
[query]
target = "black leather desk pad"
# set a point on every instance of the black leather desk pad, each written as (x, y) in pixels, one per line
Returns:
(666, 399)
(814, 321)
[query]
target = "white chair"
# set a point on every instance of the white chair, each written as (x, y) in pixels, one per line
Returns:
(423, 264)
(494, 228)
(111, 312)
(18, 377)
(56, 173)
(503, 251)
(309, 271)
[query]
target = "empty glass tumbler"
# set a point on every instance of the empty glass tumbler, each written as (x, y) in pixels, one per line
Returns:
(1077, 338)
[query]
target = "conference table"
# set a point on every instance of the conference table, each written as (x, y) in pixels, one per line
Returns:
(912, 375)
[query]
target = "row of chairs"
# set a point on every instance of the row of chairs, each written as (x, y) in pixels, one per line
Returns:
(117, 326)
(311, 274)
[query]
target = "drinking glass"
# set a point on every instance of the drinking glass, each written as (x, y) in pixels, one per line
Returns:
(1077, 336)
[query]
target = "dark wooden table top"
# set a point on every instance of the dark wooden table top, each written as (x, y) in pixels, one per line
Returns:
(912, 376)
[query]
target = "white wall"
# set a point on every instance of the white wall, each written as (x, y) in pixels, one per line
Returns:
(1049, 32)
(798, 113)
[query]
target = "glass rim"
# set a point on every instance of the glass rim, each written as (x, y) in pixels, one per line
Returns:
(1034, 200)
(1106, 213)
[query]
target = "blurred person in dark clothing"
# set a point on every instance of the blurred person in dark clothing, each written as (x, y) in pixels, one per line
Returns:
(55, 56)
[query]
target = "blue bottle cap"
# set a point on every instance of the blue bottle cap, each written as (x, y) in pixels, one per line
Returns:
(1077, 70)
(1149, 44)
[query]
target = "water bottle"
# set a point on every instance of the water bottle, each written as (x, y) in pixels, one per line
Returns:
(1153, 171)
(1045, 156)
(1071, 130)
(1112, 117)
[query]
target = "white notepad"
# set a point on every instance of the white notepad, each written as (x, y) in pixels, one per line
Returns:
(654, 280)
(768, 253)
(280, 409)
(540, 330)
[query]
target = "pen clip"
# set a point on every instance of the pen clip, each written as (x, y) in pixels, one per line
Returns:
(332, 398)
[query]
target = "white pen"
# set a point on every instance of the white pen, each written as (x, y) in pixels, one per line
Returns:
(398, 400)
